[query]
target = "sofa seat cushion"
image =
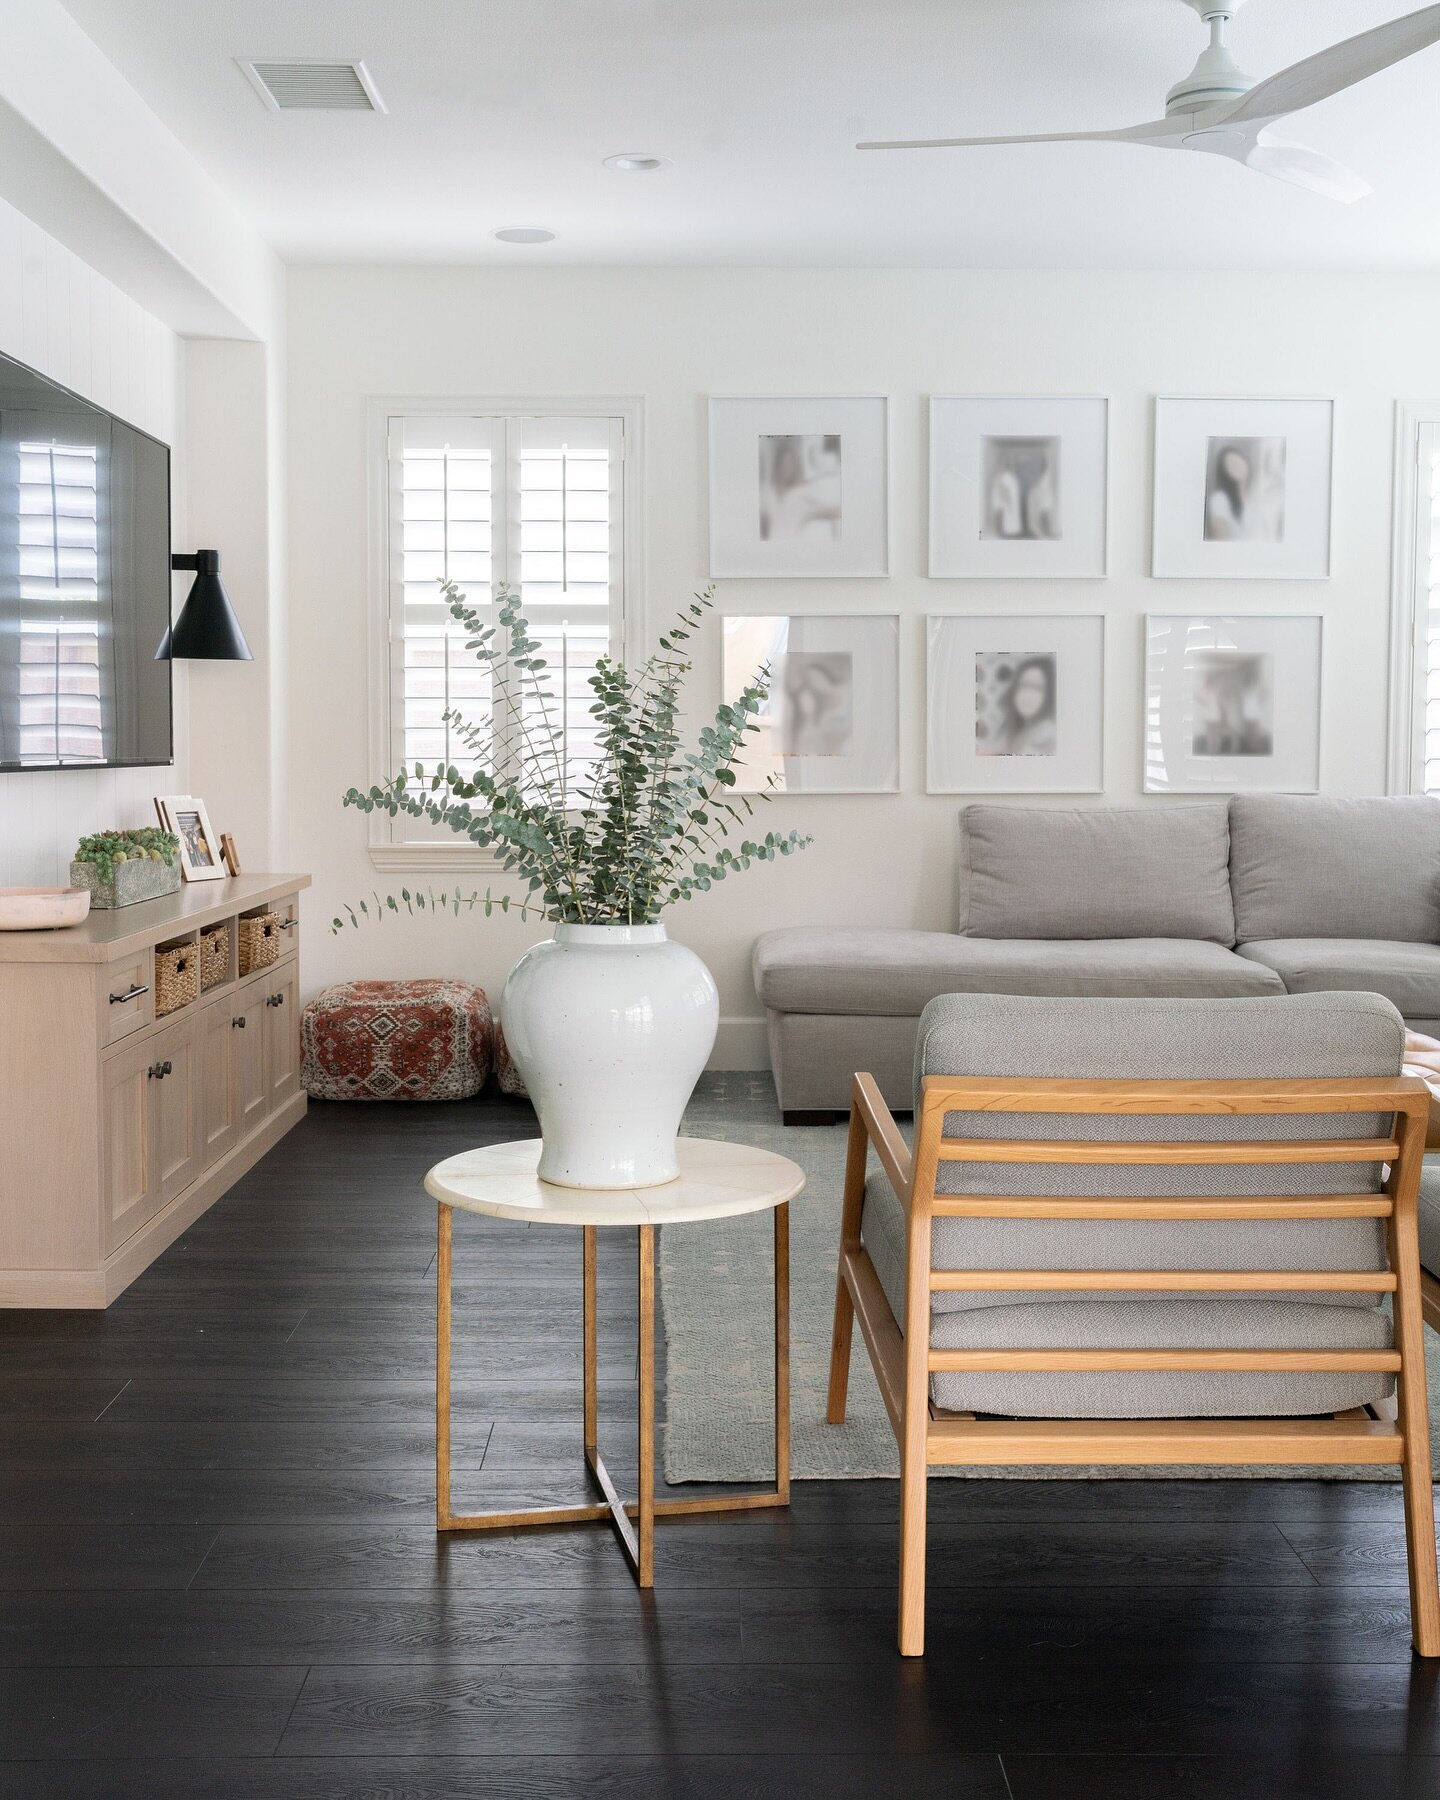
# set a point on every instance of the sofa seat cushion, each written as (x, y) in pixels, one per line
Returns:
(1408, 975)
(1311, 866)
(1114, 1321)
(897, 973)
(1096, 872)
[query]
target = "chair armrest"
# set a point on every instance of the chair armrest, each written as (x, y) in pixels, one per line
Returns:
(882, 1131)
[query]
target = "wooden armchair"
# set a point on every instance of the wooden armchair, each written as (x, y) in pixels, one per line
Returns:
(950, 1155)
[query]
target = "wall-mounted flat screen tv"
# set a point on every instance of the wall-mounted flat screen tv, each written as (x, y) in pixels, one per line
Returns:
(84, 582)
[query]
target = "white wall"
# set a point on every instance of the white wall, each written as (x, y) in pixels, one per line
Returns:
(674, 336)
(60, 317)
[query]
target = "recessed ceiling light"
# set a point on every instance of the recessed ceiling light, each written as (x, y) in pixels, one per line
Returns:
(525, 234)
(636, 162)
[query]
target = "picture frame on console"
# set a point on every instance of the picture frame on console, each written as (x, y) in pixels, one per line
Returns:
(831, 724)
(1019, 487)
(201, 858)
(1243, 489)
(799, 486)
(1015, 705)
(1232, 705)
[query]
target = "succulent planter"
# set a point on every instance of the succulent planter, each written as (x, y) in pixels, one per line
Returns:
(141, 879)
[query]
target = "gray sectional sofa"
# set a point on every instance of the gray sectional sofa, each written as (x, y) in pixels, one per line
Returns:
(1271, 894)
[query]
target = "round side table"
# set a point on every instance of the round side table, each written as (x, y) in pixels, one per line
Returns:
(717, 1181)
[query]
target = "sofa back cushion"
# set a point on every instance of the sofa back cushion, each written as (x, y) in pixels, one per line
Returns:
(1095, 872)
(1306, 866)
(1300, 1036)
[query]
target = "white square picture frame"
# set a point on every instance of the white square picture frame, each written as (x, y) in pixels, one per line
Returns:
(1243, 489)
(1015, 705)
(1019, 487)
(831, 723)
(799, 487)
(200, 853)
(1233, 705)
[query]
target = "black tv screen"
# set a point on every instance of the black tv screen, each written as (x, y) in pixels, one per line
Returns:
(84, 582)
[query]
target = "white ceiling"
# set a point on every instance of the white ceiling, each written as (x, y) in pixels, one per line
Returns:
(500, 112)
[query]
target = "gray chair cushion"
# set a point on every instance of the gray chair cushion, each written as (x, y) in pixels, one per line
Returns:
(893, 973)
(1304, 1036)
(1095, 872)
(1429, 1216)
(1407, 974)
(1306, 867)
(1117, 1322)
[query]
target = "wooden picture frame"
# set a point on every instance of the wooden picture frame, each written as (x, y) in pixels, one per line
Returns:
(200, 856)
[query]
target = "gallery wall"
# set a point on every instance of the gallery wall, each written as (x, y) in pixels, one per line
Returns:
(674, 337)
(59, 316)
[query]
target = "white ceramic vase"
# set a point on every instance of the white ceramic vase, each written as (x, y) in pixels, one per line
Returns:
(610, 1025)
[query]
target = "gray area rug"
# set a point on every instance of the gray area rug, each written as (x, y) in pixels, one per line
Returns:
(715, 1293)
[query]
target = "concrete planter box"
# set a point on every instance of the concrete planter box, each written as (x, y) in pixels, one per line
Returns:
(138, 880)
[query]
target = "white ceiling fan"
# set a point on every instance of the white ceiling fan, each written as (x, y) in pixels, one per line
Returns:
(1220, 109)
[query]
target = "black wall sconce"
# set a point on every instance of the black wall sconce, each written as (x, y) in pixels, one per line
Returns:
(207, 629)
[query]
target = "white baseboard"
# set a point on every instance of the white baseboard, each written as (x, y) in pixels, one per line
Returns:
(740, 1044)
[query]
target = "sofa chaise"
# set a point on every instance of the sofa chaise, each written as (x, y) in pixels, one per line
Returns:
(1271, 894)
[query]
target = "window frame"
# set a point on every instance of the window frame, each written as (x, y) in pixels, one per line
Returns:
(389, 848)
(1416, 423)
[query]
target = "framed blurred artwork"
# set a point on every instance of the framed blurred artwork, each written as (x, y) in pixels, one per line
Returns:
(1018, 487)
(1232, 704)
(1243, 489)
(831, 723)
(1015, 705)
(799, 487)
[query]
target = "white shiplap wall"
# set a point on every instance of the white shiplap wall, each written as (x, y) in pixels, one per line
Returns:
(59, 316)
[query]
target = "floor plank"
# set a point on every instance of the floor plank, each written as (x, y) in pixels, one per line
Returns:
(221, 1579)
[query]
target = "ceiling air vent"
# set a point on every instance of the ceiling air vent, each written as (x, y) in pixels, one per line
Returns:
(300, 85)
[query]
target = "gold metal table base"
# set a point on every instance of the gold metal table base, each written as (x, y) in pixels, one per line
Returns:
(634, 1521)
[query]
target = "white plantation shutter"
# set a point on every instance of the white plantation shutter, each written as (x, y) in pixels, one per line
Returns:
(58, 707)
(481, 500)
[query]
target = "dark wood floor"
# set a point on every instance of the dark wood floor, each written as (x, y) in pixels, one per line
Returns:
(222, 1579)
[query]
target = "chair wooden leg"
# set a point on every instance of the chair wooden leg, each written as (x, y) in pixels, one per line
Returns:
(1412, 1404)
(844, 1326)
(915, 1421)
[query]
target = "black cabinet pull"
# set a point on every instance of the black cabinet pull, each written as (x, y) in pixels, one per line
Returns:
(135, 990)
(239, 1023)
(274, 999)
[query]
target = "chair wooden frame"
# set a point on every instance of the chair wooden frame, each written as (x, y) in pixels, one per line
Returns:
(903, 1364)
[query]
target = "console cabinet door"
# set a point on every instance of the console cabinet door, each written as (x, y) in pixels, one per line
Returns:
(282, 1036)
(175, 1099)
(220, 1098)
(248, 1038)
(127, 1185)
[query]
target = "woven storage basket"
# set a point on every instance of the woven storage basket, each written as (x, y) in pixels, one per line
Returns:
(214, 957)
(176, 978)
(259, 941)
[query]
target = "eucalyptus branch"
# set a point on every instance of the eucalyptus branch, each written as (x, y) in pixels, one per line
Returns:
(643, 827)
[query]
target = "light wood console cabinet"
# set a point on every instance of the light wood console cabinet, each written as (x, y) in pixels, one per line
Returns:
(118, 1128)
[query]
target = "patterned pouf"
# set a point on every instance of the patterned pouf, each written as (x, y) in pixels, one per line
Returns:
(396, 1040)
(512, 1082)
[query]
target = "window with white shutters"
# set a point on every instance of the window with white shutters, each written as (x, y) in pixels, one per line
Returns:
(1415, 748)
(59, 680)
(534, 502)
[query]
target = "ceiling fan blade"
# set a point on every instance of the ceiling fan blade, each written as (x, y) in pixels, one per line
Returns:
(1308, 169)
(1155, 131)
(1341, 66)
